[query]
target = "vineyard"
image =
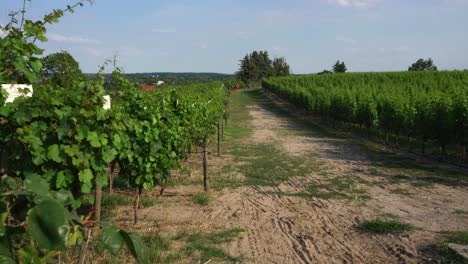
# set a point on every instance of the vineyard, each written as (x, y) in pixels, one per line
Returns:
(96, 168)
(420, 107)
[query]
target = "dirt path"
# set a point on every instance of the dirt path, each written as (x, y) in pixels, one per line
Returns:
(295, 230)
(283, 226)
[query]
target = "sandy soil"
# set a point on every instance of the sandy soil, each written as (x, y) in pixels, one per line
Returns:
(286, 229)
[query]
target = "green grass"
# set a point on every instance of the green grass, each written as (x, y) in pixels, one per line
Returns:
(110, 202)
(378, 226)
(201, 198)
(121, 182)
(263, 164)
(146, 201)
(443, 254)
(458, 237)
(190, 247)
(159, 249)
(338, 188)
(268, 166)
(461, 212)
(203, 247)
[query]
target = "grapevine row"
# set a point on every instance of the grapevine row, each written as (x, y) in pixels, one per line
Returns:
(57, 144)
(422, 106)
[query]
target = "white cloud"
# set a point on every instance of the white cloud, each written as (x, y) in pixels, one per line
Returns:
(72, 39)
(203, 45)
(163, 30)
(354, 3)
(346, 40)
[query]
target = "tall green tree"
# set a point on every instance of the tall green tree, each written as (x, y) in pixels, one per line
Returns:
(339, 67)
(281, 67)
(61, 69)
(258, 65)
(423, 65)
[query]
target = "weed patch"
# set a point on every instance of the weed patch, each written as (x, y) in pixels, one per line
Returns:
(204, 247)
(458, 237)
(379, 226)
(337, 188)
(201, 198)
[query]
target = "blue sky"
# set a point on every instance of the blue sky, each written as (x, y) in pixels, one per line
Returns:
(212, 35)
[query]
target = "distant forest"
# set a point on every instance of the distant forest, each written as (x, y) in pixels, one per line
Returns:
(174, 78)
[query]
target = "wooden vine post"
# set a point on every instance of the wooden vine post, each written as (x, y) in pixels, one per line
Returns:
(97, 205)
(136, 203)
(111, 176)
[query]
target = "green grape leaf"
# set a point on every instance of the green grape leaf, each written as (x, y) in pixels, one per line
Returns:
(76, 237)
(48, 224)
(136, 247)
(85, 176)
(64, 178)
(36, 184)
(112, 238)
(5, 255)
(102, 179)
(53, 153)
(117, 142)
(72, 150)
(35, 64)
(82, 132)
(93, 139)
(86, 188)
(3, 218)
(64, 197)
(108, 154)
(29, 255)
(103, 139)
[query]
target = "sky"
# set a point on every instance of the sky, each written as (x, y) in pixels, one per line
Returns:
(213, 35)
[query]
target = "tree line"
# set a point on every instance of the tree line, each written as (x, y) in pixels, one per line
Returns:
(257, 65)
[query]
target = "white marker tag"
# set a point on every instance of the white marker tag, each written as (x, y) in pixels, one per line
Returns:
(107, 102)
(17, 90)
